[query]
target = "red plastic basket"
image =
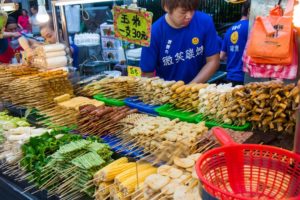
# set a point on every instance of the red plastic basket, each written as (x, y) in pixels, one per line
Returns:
(245, 171)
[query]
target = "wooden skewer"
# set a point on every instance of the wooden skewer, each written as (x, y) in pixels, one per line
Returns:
(28, 189)
(87, 186)
(138, 196)
(64, 190)
(158, 196)
(191, 186)
(69, 194)
(47, 184)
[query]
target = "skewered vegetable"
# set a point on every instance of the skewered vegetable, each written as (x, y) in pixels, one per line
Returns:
(117, 88)
(120, 178)
(109, 174)
(128, 186)
(73, 166)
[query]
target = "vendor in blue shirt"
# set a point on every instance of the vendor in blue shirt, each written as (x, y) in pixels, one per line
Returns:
(233, 47)
(184, 44)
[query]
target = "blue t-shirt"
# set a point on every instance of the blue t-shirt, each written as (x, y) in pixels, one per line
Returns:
(234, 44)
(3, 45)
(180, 54)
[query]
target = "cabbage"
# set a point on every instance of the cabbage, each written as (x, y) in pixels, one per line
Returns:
(9, 125)
(23, 123)
(8, 122)
(3, 113)
(5, 118)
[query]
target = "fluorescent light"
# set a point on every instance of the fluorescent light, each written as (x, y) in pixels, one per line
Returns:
(42, 15)
(296, 18)
(72, 2)
(9, 7)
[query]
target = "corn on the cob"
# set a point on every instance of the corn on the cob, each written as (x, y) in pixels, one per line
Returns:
(116, 162)
(120, 196)
(130, 172)
(99, 196)
(104, 188)
(108, 174)
(113, 190)
(128, 186)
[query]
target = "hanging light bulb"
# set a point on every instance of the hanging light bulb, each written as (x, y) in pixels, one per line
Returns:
(296, 18)
(42, 15)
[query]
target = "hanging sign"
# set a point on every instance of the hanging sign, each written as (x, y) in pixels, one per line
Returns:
(134, 71)
(133, 26)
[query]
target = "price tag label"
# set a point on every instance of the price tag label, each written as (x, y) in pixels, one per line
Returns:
(134, 71)
(133, 26)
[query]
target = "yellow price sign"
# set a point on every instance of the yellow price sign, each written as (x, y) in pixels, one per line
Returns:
(133, 26)
(134, 71)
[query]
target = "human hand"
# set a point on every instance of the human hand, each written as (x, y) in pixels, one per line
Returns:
(15, 34)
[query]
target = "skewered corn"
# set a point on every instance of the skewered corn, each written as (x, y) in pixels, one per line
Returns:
(120, 178)
(97, 175)
(128, 186)
(110, 173)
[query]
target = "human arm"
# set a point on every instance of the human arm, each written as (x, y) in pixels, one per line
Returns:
(223, 56)
(28, 45)
(211, 66)
(148, 61)
(11, 34)
(211, 53)
(21, 27)
(148, 74)
(150, 55)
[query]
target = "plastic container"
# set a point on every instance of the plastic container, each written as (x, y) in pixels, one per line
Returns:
(248, 171)
(113, 141)
(172, 113)
(211, 124)
(94, 67)
(109, 101)
(134, 103)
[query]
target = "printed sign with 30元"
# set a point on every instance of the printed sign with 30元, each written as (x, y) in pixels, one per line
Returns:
(133, 26)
